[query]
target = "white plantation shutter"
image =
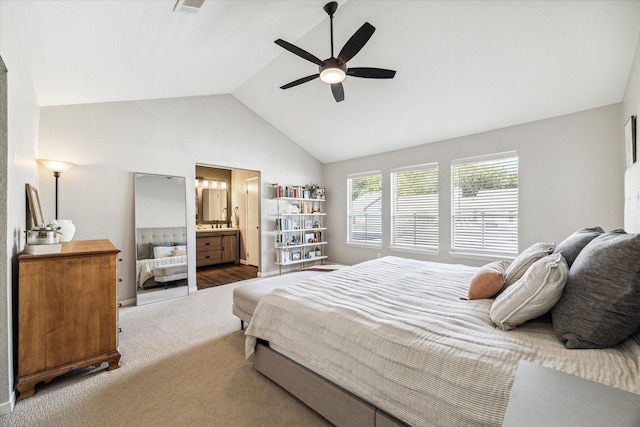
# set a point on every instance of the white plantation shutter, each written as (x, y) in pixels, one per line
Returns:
(414, 209)
(484, 211)
(364, 216)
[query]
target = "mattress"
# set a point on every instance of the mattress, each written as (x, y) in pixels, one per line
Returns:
(396, 333)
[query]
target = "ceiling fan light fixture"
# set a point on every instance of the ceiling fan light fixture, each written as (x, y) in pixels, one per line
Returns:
(332, 75)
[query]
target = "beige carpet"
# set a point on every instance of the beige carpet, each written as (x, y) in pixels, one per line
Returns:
(182, 365)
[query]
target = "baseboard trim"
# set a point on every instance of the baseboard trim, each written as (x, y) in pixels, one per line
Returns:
(7, 407)
(128, 302)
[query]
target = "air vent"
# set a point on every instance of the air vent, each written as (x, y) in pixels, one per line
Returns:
(188, 6)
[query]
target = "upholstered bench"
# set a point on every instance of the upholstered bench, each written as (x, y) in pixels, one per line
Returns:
(246, 297)
(170, 273)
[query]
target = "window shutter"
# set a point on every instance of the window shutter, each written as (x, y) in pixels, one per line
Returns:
(414, 210)
(485, 205)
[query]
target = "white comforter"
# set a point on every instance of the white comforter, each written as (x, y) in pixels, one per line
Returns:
(396, 333)
(145, 267)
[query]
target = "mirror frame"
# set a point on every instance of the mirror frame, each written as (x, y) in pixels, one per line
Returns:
(34, 206)
(153, 296)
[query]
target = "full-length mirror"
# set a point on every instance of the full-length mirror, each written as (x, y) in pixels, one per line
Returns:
(161, 237)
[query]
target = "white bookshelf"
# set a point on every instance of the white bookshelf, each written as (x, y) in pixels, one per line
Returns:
(300, 228)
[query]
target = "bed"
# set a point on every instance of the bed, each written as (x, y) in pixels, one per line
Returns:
(161, 256)
(396, 341)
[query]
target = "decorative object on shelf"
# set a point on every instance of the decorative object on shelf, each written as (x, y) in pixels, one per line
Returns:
(42, 236)
(320, 193)
(57, 167)
(42, 249)
(66, 229)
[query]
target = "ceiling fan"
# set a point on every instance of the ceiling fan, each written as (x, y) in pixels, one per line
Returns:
(334, 69)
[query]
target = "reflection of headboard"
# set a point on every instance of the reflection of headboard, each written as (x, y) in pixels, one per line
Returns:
(171, 235)
(632, 199)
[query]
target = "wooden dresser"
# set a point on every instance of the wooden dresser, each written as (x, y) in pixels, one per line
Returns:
(67, 312)
(216, 246)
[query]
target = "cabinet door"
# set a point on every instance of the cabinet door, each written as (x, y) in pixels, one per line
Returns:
(230, 248)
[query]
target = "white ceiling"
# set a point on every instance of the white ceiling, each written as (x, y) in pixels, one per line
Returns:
(463, 67)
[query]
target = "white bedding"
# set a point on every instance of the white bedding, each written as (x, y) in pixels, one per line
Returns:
(145, 267)
(395, 332)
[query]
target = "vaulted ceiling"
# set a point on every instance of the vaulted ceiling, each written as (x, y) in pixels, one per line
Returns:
(463, 67)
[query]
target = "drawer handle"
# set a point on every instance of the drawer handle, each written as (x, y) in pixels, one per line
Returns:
(207, 244)
(207, 256)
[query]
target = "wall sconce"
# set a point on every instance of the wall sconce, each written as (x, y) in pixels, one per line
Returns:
(57, 167)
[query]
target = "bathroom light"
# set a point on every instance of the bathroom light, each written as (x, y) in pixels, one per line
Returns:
(223, 184)
(332, 75)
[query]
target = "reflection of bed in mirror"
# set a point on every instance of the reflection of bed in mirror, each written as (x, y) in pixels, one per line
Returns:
(161, 257)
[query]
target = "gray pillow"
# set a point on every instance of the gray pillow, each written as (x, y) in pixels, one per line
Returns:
(600, 306)
(572, 245)
(524, 260)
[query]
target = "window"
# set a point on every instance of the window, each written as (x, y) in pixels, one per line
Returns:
(364, 216)
(414, 207)
(484, 211)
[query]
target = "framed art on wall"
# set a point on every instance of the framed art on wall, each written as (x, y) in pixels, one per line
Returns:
(33, 207)
(630, 140)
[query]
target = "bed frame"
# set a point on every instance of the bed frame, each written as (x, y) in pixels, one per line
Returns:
(337, 405)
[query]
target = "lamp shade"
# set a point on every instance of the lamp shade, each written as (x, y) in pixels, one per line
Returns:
(56, 165)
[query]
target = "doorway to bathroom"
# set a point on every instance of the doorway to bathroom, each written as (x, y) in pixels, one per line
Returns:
(227, 225)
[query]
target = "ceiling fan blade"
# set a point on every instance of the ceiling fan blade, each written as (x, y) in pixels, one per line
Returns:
(300, 81)
(300, 52)
(356, 42)
(371, 73)
(338, 91)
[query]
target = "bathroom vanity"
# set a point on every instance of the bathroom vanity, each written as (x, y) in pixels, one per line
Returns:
(216, 246)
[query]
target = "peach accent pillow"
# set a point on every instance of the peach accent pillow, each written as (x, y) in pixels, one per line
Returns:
(488, 281)
(178, 252)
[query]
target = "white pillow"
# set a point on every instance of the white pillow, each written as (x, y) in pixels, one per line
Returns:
(525, 259)
(532, 295)
(162, 251)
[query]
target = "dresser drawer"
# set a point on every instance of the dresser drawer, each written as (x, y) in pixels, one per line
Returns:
(207, 257)
(208, 243)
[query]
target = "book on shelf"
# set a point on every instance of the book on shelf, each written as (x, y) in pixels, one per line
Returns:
(53, 248)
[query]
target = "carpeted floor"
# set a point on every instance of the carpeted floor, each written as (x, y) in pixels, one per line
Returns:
(207, 277)
(182, 364)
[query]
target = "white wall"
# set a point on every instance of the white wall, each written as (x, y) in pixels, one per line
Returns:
(570, 176)
(109, 141)
(17, 159)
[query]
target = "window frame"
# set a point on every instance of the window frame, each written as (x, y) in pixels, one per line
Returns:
(365, 242)
(499, 247)
(394, 212)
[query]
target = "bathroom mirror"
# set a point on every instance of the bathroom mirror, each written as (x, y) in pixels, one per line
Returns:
(161, 237)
